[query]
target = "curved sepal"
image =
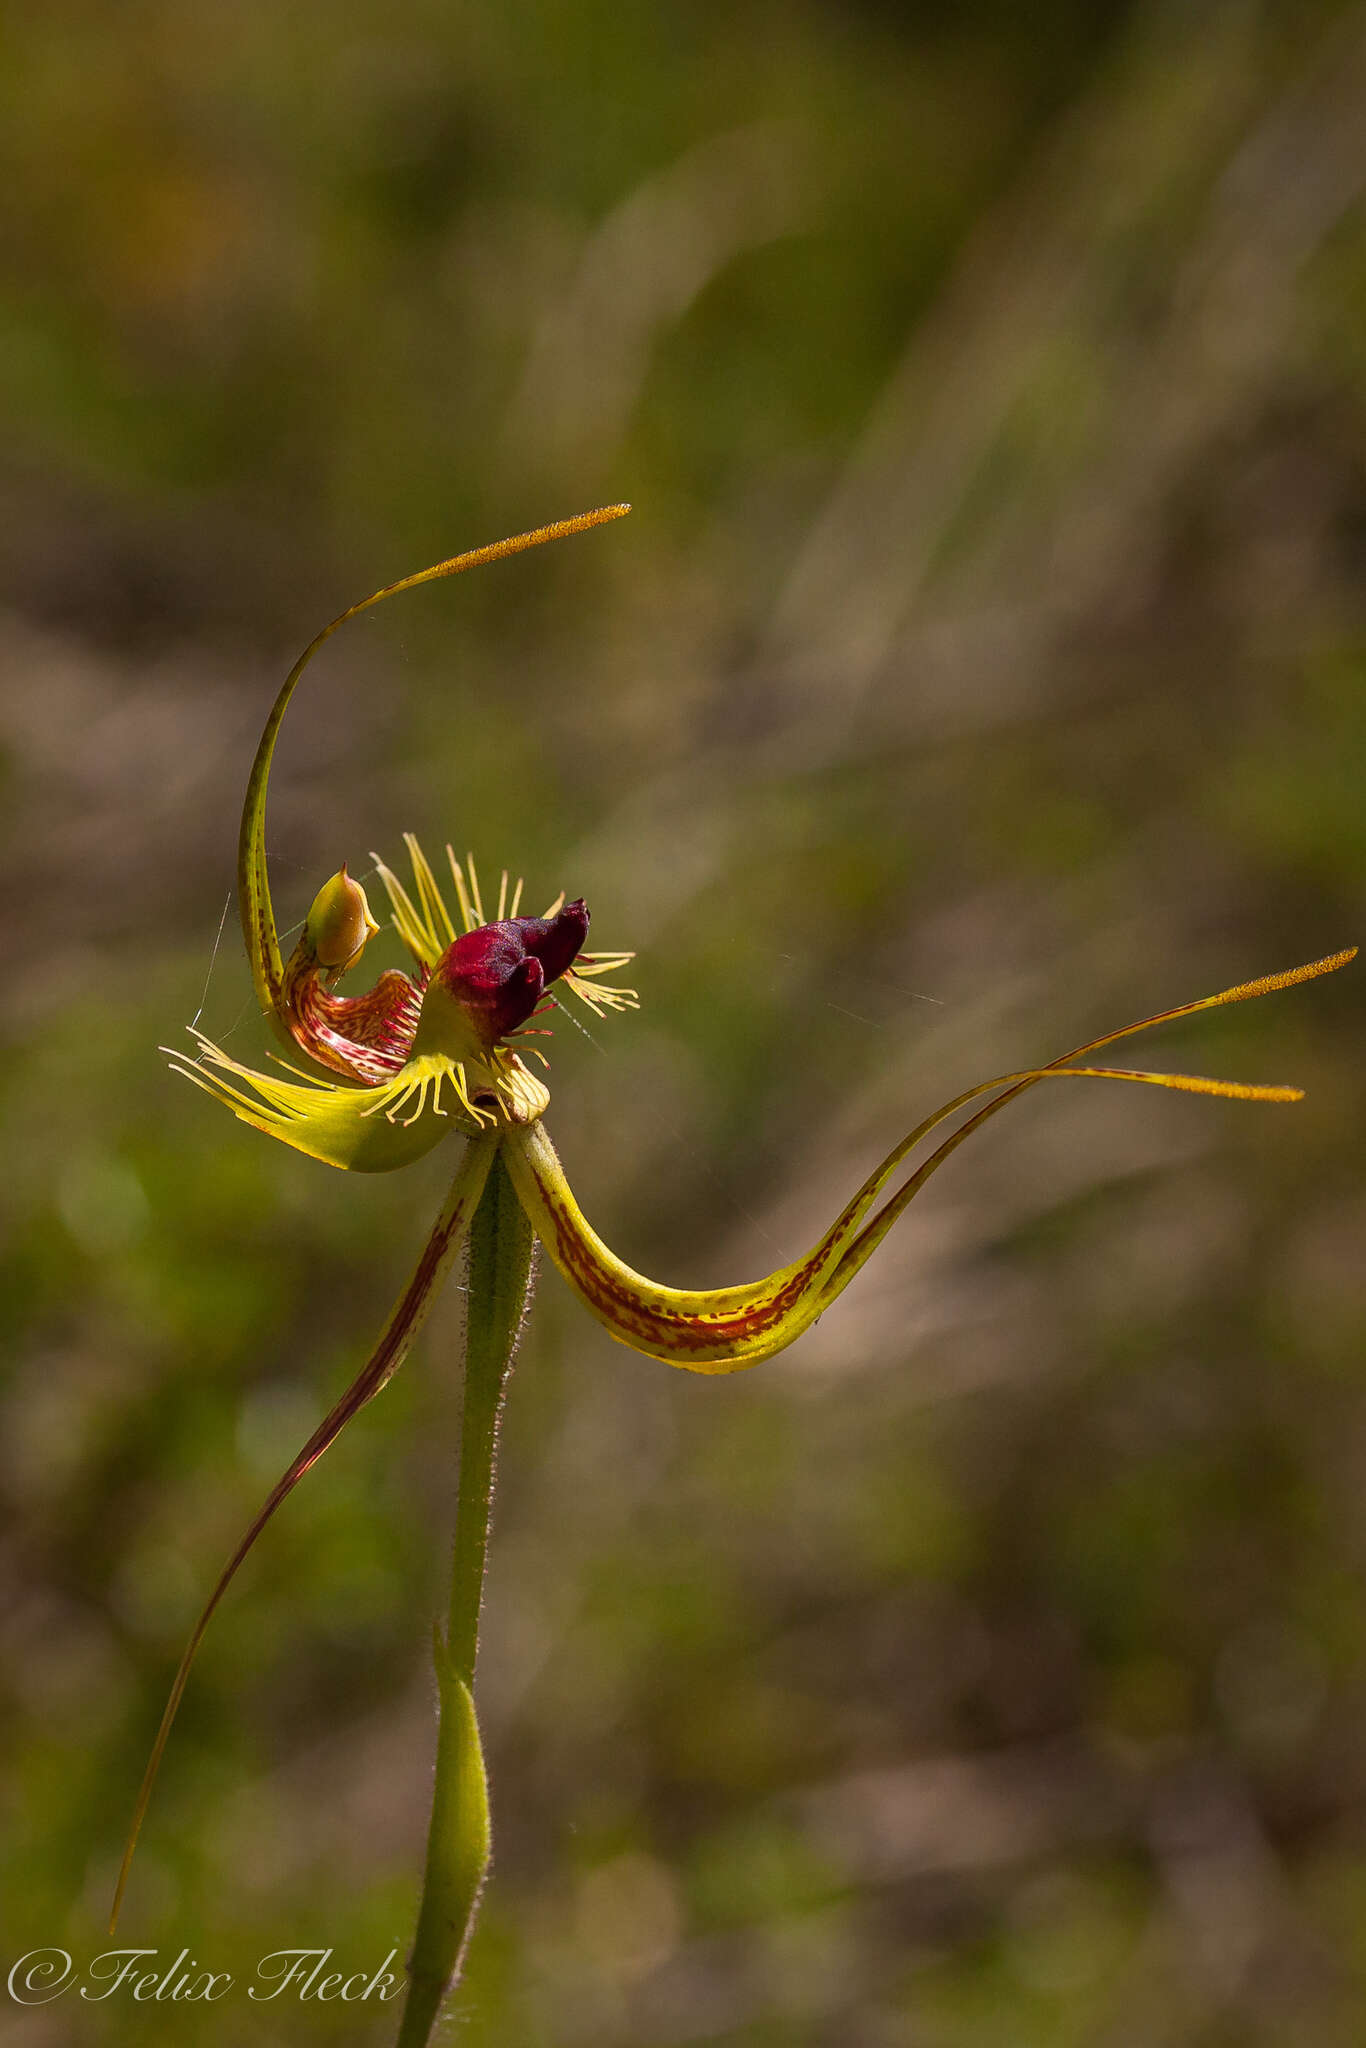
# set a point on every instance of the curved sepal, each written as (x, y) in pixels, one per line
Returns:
(259, 931)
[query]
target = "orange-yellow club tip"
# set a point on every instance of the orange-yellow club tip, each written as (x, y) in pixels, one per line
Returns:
(1267, 984)
(1202, 1084)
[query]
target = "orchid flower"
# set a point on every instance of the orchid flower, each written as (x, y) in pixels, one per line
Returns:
(439, 1054)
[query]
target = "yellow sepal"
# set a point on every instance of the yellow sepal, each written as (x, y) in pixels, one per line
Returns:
(362, 1130)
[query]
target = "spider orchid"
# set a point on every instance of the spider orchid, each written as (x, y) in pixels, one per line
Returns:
(434, 1055)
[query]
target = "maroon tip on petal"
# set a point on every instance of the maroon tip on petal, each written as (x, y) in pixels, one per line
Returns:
(556, 941)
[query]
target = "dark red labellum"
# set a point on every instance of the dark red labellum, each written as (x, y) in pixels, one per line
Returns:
(499, 972)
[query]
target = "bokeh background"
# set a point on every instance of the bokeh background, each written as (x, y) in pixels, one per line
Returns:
(984, 665)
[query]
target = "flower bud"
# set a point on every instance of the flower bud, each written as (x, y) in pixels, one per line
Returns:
(339, 923)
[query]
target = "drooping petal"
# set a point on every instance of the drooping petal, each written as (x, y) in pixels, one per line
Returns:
(384, 1361)
(727, 1329)
(253, 881)
(717, 1330)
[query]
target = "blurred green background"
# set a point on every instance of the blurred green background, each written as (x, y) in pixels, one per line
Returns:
(984, 665)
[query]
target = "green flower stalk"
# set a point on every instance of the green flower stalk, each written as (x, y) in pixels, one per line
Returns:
(439, 1054)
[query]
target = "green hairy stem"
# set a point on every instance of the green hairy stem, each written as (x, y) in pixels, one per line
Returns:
(458, 1842)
